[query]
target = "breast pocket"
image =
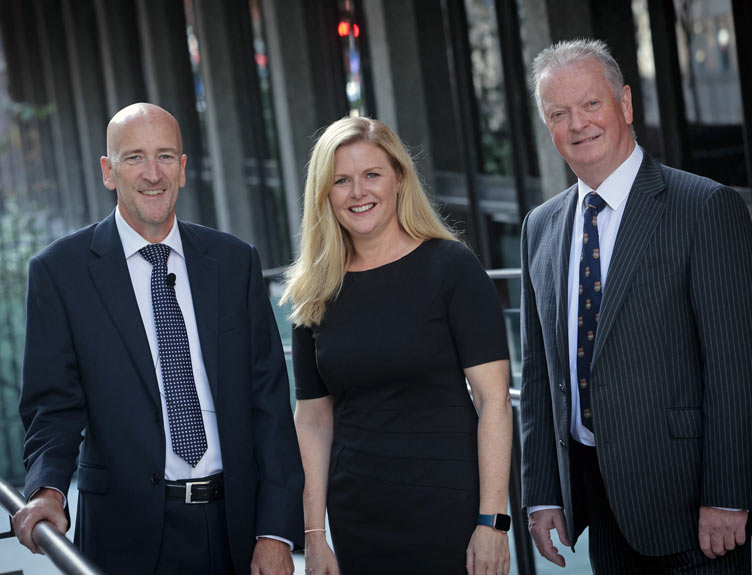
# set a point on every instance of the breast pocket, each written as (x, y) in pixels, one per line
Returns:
(93, 479)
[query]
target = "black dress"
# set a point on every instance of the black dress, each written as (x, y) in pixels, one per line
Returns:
(403, 478)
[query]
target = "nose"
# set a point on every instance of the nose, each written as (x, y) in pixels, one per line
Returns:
(152, 172)
(578, 120)
(358, 190)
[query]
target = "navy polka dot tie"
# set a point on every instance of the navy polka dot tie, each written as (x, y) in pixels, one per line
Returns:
(183, 407)
(589, 308)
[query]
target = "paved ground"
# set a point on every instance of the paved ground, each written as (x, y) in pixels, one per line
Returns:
(15, 558)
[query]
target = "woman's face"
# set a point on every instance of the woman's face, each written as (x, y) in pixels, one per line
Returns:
(364, 191)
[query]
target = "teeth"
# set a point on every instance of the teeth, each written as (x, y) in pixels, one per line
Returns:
(151, 192)
(361, 209)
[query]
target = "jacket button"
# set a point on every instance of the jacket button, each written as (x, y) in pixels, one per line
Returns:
(563, 443)
(154, 478)
(562, 387)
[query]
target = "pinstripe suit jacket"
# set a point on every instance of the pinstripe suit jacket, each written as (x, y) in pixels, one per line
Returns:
(671, 381)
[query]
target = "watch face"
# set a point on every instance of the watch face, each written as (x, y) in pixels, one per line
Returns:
(503, 522)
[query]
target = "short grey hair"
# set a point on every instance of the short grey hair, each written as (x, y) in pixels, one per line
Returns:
(573, 51)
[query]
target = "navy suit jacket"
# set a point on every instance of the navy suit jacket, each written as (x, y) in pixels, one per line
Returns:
(88, 370)
(671, 380)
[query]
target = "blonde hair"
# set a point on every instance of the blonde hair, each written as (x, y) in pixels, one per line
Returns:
(316, 277)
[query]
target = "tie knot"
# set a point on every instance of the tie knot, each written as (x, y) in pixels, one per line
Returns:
(155, 253)
(594, 202)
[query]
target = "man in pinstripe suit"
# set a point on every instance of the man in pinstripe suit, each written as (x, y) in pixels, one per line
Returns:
(637, 387)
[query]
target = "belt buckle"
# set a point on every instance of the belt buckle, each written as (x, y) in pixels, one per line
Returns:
(189, 490)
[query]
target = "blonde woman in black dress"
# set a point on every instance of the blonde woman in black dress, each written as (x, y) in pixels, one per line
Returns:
(391, 313)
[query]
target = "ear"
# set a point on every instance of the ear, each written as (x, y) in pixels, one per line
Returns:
(183, 160)
(626, 104)
(106, 165)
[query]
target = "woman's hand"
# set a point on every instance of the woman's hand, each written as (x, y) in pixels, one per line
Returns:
(319, 557)
(487, 553)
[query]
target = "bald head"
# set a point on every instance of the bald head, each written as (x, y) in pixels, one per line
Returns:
(139, 114)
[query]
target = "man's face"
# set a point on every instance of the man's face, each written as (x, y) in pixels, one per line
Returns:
(589, 126)
(147, 168)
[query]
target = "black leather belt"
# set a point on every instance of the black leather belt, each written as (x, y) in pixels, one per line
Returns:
(200, 491)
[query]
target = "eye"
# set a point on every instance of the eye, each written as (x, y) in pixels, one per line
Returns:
(593, 104)
(340, 181)
(166, 158)
(556, 116)
(372, 175)
(134, 159)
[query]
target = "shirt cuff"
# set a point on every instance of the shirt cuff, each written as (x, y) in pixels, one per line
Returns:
(290, 543)
(533, 508)
(65, 499)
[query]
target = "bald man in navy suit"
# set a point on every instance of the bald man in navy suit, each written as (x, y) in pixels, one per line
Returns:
(95, 366)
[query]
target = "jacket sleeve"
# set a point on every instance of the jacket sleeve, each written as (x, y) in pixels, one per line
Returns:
(53, 404)
(279, 500)
(540, 475)
(721, 275)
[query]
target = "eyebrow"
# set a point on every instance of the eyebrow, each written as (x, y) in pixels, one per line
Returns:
(141, 151)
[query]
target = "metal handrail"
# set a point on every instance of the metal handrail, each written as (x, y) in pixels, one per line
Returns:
(66, 556)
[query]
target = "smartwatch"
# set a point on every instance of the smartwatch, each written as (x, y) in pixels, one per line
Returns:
(499, 521)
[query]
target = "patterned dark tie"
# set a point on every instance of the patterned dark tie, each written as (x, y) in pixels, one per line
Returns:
(589, 308)
(183, 407)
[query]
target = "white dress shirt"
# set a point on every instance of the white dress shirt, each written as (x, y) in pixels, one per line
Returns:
(614, 190)
(140, 272)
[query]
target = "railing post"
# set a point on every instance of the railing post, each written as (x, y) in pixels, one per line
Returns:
(66, 556)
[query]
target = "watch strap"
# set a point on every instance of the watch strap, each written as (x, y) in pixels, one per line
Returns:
(498, 521)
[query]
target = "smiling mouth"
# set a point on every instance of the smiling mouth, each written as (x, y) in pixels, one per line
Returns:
(587, 140)
(152, 192)
(361, 209)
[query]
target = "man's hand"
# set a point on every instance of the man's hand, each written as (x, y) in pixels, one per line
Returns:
(271, 557)
(721, 530)
(540, 524)
(319, 557)
(488, 552)
(45, 505)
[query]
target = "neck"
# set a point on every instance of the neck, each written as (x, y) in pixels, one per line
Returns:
(596, 177)
(374, 252)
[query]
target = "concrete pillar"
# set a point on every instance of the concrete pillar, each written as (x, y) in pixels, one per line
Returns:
(33, 120)
(80, 25)
(64, 142)
(120, 53)
(537, 35)
(293, 99)
(226, 66)
(397, 75)
(169, 82)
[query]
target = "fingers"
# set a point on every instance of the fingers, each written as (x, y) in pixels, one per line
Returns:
(540, 524)
(46, 506)
(560, 524)
(720, 530)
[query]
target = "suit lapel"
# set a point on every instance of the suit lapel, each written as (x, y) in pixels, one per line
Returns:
(561, 229)
(203, 273)
(112, 280)
(644, 209)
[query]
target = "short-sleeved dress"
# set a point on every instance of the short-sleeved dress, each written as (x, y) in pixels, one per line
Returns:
(403, 478)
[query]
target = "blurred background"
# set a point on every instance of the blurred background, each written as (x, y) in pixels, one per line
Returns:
(252, 81)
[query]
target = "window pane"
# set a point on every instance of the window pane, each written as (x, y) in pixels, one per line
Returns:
(488, 82)
(706, 42)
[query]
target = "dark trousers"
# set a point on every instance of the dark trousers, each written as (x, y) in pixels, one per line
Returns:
(611, 554)
(194, 540)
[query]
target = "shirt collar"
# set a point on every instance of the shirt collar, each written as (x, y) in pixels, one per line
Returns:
(615, 188)
(133, 241)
